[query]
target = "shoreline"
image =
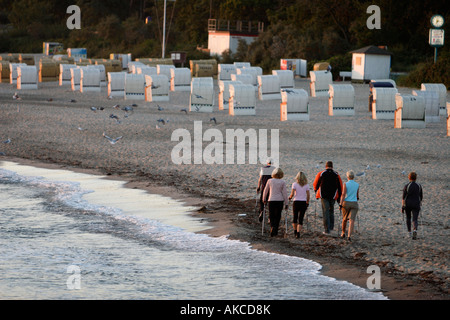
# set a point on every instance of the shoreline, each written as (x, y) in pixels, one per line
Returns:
(222, 221)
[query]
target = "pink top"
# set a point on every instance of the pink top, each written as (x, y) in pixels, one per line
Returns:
(276, 190)
(300, 192)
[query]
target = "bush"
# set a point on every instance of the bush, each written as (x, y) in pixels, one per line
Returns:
(429, 72)
(338, 63)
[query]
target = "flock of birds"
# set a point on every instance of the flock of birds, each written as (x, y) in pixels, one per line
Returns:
(128, 109)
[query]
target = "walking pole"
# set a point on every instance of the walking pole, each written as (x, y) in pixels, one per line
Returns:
(339, 224)
(421, 221)
(403, 220)
(256, 203)
(357, 218)
(285, 222)
(307, 219)
(264, 218)
(315, 211)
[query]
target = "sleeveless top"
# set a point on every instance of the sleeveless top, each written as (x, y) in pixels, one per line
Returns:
(352, 191)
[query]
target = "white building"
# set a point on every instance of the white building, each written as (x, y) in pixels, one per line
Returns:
(225, 34)
(371, 63)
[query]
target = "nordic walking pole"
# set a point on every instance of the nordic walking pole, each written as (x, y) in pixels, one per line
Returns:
(264, 218)
(339, 224)
(307, 219)
(256, 203)
(357, 219)
(421, 220)
(315, 211)
(285, 221)
(403, 220)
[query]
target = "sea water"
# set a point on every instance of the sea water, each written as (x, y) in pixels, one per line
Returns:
(67, 235)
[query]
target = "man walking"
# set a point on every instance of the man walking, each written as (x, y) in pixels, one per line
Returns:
(328, 187)
(264, 175)
(411, 202)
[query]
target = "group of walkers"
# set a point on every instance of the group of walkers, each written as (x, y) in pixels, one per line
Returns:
(329, 188)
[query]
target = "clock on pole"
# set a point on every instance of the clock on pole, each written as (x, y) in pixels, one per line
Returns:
(437, 21)
(436, 35)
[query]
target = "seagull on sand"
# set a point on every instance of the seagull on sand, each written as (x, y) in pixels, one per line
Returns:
(361, 174)
(160, 108)
(198, 96)
(16, 96)
(128, 110)
(113, 116)
(95, 109)
(111, 140)
(7, 141)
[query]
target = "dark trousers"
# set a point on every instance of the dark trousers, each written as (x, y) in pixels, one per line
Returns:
(298, 210)
(275, 210)
(328, 214)
(415, 216)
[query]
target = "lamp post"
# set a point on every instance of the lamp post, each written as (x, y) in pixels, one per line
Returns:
(164, 31)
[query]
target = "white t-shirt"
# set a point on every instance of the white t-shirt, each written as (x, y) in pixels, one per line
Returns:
(300, 192)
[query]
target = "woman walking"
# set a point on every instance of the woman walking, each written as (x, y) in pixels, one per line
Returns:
(300, 193)
(276, 195)
(349, 204)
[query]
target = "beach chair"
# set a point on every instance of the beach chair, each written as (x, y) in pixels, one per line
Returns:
(202, 95)
(320, 82)
(269, 87)
(294, 105)
(410, 112)
(156, 87)
(341, 101)
(224, 93)
(242, 100)
(27, 77)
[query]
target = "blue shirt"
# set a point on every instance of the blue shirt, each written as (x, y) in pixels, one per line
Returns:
(352, 190)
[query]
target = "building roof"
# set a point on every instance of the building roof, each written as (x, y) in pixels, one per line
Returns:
(372, 50)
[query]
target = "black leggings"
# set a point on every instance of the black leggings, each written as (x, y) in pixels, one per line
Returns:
(414, 212)
(298, 210)
(275, 210)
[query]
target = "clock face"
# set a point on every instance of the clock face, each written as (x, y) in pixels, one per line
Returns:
(437, 21)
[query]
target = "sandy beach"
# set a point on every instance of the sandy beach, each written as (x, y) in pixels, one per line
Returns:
(55, 127)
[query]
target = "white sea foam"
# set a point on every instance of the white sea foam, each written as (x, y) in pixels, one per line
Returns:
(166, 224)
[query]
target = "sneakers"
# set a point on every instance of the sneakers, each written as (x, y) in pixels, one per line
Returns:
(412, 235)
